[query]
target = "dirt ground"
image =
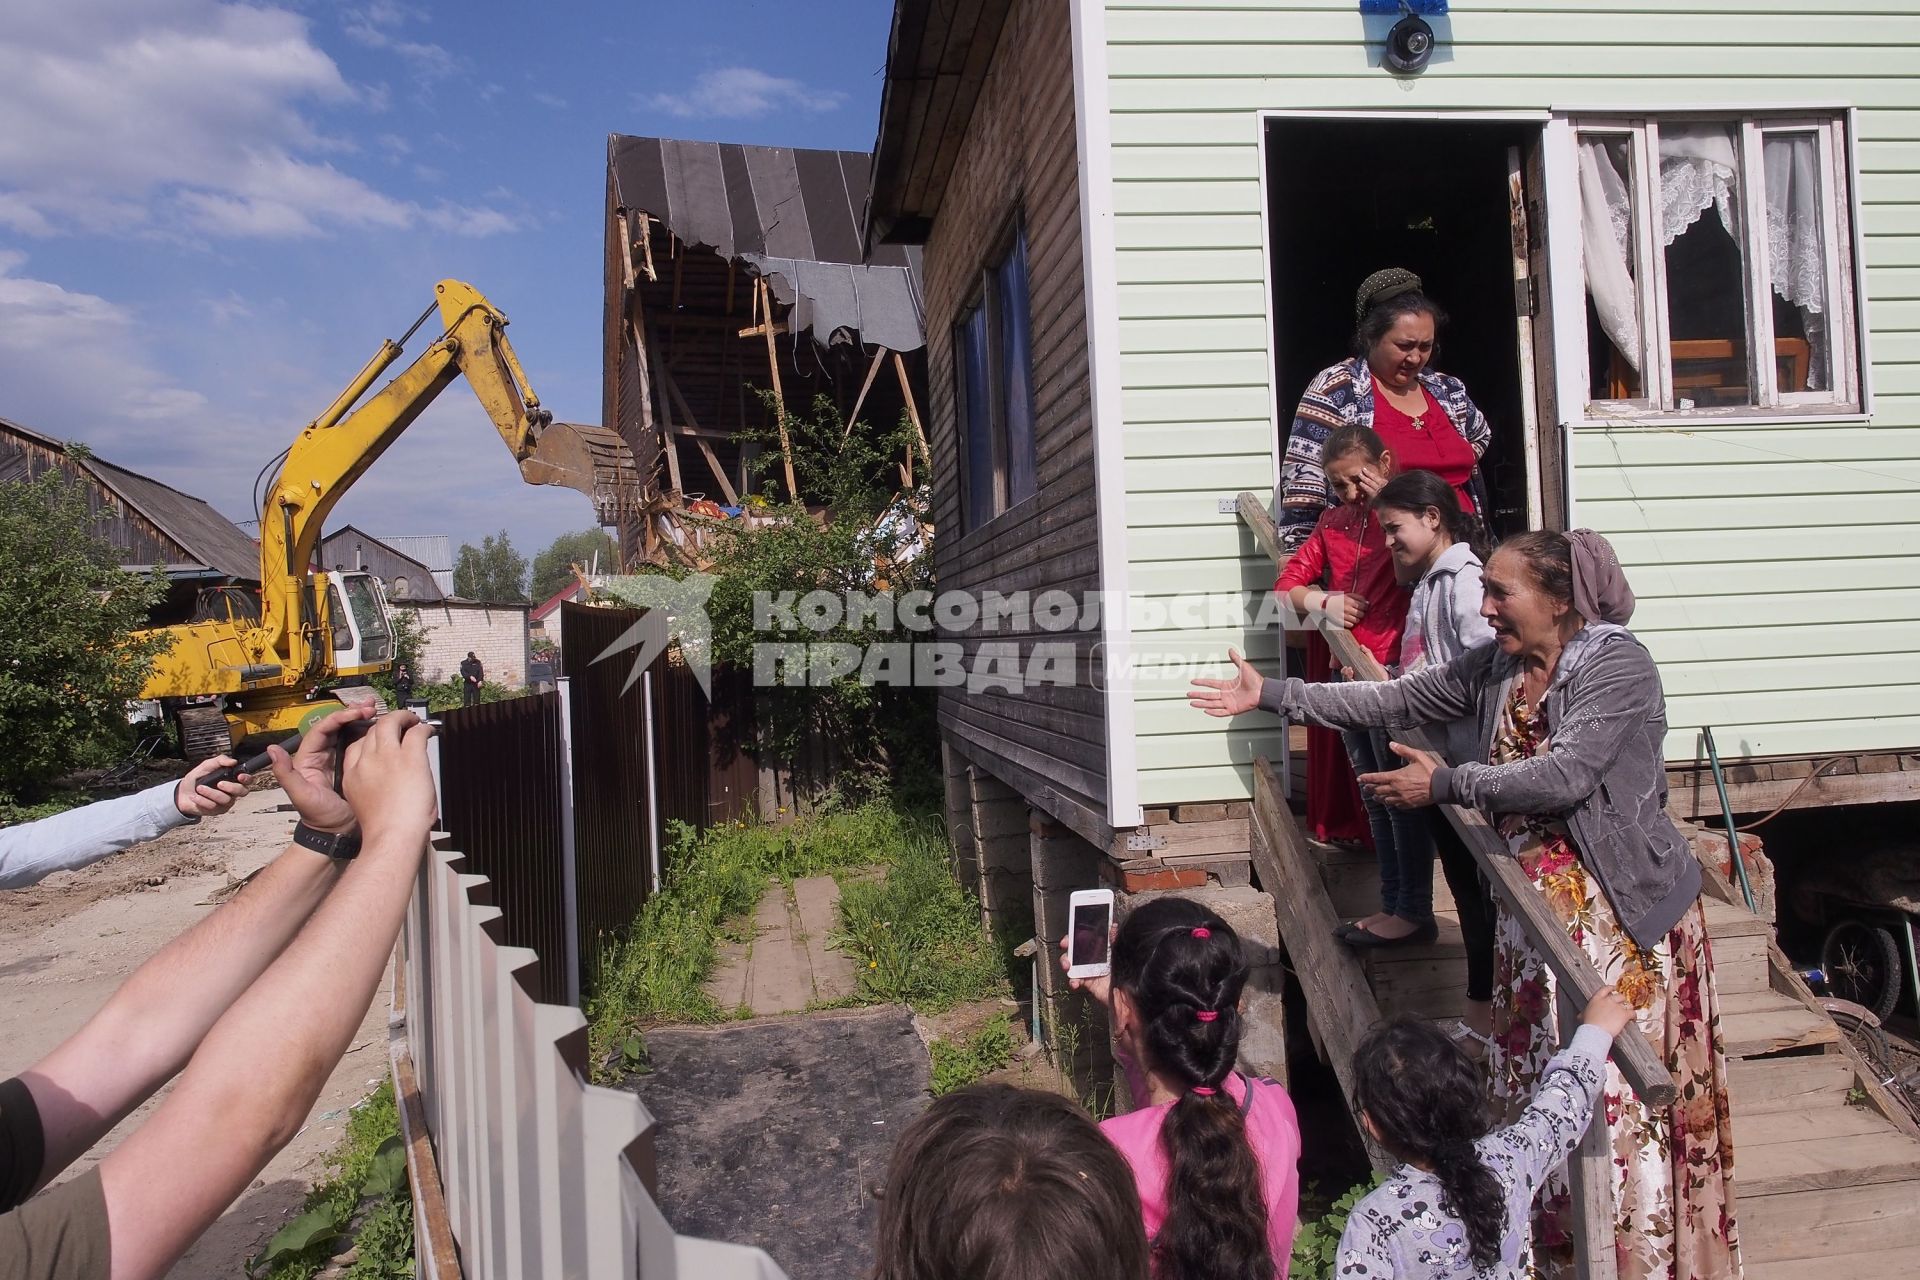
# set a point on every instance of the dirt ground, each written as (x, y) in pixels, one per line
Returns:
(66, 943)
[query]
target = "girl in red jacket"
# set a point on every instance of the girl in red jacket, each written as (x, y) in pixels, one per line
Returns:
(1345, 571)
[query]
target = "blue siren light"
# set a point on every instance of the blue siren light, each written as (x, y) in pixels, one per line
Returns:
(1428, 7)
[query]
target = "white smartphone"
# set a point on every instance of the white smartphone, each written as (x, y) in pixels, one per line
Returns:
(1089, 933)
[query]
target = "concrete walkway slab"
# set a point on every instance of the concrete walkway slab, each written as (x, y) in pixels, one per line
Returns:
(818, 901)
(788, 965)
(775, 1132)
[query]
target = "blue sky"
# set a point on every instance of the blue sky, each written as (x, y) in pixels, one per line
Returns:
(211, 213)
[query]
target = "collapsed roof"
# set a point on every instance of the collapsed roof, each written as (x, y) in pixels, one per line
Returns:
(736, 287)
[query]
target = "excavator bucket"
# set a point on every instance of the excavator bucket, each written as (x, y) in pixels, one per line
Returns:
(593, 460)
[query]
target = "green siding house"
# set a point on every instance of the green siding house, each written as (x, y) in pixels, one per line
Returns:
(1680, 242)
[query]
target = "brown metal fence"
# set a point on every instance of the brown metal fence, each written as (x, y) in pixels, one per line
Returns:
(500, 800)
(612, 850)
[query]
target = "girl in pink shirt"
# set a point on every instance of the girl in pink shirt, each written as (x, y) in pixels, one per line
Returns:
(1215, 1153)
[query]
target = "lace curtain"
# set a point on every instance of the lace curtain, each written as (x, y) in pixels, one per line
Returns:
(1699, 170)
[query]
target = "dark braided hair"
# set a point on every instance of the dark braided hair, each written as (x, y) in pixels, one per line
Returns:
(1182, 967)
(1415, 491)
(1428, 1106)
(1549, 558)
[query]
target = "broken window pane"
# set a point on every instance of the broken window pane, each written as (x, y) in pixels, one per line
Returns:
(1616, 351)
(1706, 280)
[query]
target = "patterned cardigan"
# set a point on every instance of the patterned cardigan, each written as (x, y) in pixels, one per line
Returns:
(1340, 395)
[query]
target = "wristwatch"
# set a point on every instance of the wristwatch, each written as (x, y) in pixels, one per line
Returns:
(341, 846)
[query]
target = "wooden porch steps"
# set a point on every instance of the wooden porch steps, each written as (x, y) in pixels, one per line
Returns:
(1826, 1186)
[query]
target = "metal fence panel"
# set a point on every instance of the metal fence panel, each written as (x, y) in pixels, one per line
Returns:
(610, 818)
(543, 1173)
(500, 801)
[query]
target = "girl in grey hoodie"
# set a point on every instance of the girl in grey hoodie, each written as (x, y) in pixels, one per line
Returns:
(1432, 543)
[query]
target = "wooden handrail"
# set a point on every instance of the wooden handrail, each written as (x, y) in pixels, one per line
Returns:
(1642, 1067)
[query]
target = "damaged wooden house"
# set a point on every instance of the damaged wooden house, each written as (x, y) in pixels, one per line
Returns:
(737, 289)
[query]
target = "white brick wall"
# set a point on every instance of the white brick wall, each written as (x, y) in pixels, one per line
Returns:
(496, 633)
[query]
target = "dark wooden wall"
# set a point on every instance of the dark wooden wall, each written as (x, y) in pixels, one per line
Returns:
(136, 539)
(1019, 155)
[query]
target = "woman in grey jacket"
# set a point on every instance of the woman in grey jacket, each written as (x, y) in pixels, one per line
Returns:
(1568, 766)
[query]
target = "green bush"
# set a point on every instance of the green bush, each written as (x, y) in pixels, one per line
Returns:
(68, 666)
(1316, 1242)
(863, 540)
(957, 1064)
(365, 1204)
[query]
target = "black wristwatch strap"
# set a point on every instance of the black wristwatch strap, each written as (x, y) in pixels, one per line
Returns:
(338, 845)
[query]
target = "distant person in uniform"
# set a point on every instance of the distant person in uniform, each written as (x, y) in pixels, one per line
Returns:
(403, 684)
(471, 676)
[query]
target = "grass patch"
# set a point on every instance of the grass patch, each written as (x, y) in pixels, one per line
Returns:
(654, 974)
(364, 1204)
(916, 934)
(959, 1063)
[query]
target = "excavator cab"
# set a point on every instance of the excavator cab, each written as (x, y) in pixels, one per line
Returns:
(362, 626)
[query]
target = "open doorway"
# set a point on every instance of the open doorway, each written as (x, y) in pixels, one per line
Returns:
(1349, 196)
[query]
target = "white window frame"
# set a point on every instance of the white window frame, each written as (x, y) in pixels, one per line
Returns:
(1849, 401)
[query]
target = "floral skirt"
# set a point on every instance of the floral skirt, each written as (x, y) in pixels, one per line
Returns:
(1673, 1167)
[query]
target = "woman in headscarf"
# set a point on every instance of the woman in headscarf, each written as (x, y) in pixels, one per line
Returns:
(1571, 721)
(1388, 384)
(1428, 422)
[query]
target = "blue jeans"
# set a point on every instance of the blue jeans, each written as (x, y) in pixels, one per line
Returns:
(1402, 838)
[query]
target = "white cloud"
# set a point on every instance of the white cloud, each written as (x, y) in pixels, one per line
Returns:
(374, 27)
(181, 117)
(69, 357)
(553, 100)
(742, 93)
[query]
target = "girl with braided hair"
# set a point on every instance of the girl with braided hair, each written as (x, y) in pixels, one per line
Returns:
(1458, 1207)
(1214, 1152)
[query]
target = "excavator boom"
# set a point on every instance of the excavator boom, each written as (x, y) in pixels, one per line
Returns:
(290, 650)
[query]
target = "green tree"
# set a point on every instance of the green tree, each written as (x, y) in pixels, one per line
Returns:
(869, 539)
(67, 665)
(492, 571)
(552, 568)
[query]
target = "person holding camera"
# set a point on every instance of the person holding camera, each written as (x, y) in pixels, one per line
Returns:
(251, 1008)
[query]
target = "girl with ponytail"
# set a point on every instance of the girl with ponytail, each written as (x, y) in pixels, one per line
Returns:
(1214, 1152)
(1436, 546)
(1461, 1203)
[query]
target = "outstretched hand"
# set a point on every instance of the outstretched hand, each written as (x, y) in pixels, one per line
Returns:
(197, 799)
(308, 775)
(1228, 697)
(1408, 787)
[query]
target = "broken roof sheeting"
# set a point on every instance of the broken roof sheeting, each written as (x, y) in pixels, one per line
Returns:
(791, 214)
(881, 304)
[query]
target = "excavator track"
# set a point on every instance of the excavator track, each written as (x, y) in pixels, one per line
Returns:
(204, 732)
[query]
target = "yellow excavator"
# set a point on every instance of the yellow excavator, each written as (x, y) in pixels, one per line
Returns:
(317, 635)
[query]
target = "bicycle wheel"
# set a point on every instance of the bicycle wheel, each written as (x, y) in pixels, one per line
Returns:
(1862, 963)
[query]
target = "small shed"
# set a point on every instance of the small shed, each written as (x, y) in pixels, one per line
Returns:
(1681, 246)
(434, 550)
(151, 524)
(736, 284)
(404, 577)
